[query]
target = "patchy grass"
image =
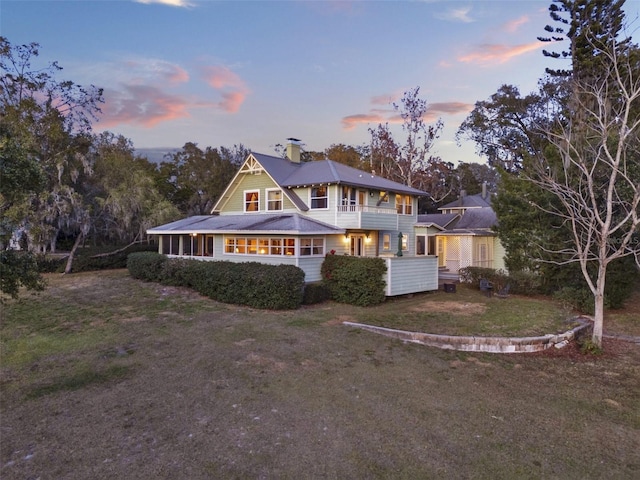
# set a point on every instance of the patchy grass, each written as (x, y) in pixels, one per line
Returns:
(469, 312)
(135, 380)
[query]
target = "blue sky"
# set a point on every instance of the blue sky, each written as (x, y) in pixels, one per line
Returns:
(257, 72)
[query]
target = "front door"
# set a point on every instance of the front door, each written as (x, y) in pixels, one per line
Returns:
(357, 245)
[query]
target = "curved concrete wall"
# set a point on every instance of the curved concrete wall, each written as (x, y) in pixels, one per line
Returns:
(481, 344)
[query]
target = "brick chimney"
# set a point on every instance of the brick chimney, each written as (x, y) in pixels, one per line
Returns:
(293, 149)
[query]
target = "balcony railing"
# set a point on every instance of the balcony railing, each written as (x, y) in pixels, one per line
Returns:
(366, 209)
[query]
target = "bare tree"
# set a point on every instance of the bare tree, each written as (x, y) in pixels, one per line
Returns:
(404, 163)
(593, 173)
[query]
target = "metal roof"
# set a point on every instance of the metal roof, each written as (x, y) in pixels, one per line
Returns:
(291, 174)
(289, 223)
(441, 220)
(468, 201)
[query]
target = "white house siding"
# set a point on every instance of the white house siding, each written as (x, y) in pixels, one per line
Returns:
(311, 267)
(411, 275)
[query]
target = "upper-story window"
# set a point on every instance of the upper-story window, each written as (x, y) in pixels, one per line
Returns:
(319, 197)
(384, 197)
(404, 204)
(252, 201)
(274, 200)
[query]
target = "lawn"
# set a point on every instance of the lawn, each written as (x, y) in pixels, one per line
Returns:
(103, 376)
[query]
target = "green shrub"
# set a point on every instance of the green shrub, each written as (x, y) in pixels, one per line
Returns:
(19, 268)
(578, 298)
(315, 293)
(526, 283)
(50, 264)
(253, 284)
(147, 266)
(354, 280)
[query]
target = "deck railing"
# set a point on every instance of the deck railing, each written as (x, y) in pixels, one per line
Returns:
(366, 209)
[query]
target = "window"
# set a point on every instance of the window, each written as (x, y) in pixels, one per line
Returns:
(384, 197)
(311, 246)
(261, 246)
(404, 204)
(319, 197)
(252, 246)
(405, 244)
(274, 200)
(386, 241)
(252, 201)
(289, 246)
(276, 246)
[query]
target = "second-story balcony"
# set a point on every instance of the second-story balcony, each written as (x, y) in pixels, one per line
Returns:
(367, 217)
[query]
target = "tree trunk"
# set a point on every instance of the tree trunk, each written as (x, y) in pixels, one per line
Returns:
(76, 244)
(598, 317)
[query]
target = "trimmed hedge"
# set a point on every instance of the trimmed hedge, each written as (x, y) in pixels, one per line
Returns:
(354, 280)
(253, 284)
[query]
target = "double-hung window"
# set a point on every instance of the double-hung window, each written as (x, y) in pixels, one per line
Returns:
(274, 200)
(404, 204)
(311, 246)
(319, 197)
(251, 200)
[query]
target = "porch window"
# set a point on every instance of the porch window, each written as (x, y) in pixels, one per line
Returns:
(252, 201)
(311, 246)
(405, 243)
(384, 197)
(289, 246)
(274, 200)
(259, 246)
(319, 197)
(404, 204)
(276, 246)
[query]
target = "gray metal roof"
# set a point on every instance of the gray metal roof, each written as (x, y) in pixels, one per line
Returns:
(288, 223)
(468, 201)
(442, 220)
(475, 221)
(290, 174)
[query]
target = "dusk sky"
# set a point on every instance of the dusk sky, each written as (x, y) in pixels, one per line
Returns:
(220, 73)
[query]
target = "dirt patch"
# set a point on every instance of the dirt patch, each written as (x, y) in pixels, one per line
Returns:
(456, 308)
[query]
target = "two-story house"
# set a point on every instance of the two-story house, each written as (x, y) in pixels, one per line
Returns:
(281, 210)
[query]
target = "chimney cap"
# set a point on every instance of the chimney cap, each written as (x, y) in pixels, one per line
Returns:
(291, 139)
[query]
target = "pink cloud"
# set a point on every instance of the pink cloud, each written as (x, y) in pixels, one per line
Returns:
(376, 116)
(384, 99)
(514, 25)
(233, 88)
(488, 54)
(450, 108)
(352, 121)
(141, 105)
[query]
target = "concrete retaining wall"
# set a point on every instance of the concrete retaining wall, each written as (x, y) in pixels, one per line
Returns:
(481, 344)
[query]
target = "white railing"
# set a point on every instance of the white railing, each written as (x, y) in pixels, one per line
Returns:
(366, 209)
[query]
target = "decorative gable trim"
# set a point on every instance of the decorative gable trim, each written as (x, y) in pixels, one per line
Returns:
(252, 166)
